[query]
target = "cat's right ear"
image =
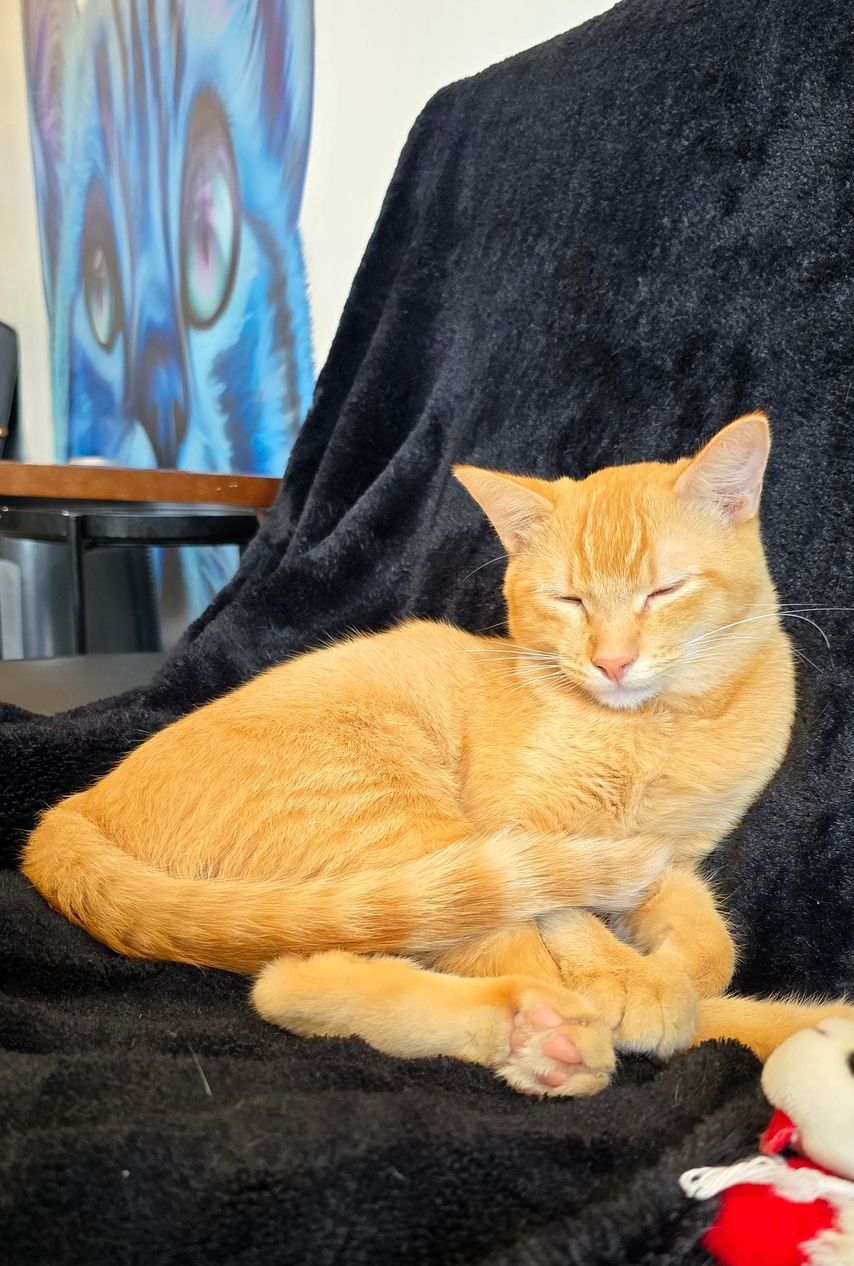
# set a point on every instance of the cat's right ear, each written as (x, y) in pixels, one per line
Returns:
(726, 476)
(46, 40)
(515, 506)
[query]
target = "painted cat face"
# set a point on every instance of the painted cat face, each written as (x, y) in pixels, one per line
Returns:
(624, 582)
(170, 143)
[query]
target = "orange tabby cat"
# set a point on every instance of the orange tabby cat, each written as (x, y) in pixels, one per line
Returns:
(411, 835)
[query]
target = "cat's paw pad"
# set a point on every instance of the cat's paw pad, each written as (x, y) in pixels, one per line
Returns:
(555, 1047)
(659, 1014)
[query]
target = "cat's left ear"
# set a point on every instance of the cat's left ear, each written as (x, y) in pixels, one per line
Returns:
(514, 505)
(727, 474)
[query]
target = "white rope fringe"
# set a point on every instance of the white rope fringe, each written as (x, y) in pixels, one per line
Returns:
(800, 1185)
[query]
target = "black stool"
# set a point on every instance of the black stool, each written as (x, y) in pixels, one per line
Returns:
(86, 525)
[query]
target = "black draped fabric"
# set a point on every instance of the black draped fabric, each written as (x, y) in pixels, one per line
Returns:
(596, 252)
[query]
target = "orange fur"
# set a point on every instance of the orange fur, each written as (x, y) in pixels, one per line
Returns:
(459, 799)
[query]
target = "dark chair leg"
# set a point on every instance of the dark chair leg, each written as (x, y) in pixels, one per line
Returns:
(76, 550)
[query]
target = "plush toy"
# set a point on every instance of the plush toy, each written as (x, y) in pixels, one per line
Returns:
(798, 1209)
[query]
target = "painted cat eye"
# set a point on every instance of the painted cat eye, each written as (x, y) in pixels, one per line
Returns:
(210, 214)
(100, 268)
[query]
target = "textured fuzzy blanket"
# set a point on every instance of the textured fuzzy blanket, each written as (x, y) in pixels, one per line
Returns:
(598, 251)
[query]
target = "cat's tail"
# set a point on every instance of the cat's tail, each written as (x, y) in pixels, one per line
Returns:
(465, 888)
(762, 1023)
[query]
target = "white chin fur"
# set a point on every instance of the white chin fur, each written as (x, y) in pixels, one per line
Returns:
(624, 698)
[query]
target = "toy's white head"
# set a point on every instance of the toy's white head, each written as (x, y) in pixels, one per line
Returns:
(810, 1077)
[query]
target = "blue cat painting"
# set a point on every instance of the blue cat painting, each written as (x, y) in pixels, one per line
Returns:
(170, 140)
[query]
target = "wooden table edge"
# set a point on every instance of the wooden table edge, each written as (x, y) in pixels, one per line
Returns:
(118, 483)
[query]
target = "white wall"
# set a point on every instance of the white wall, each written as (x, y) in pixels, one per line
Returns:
(21, 294)
(377, 64)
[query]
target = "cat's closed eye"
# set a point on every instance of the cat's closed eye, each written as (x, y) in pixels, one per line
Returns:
(666, 589)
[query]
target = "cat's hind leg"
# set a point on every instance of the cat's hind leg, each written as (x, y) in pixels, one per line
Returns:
(539, 1037)
(762, 1023)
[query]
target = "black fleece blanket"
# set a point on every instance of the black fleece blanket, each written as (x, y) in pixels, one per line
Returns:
(596, 252)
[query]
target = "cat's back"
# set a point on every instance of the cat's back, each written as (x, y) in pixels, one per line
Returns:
(418, 659)
(407, 680)
(303, 748)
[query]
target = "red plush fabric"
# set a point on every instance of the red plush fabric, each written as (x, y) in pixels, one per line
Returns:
(757, 1227)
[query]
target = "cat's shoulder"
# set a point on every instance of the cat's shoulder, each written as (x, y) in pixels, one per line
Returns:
(434, 633)
(438, 642)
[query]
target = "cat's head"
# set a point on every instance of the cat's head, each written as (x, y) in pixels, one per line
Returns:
(633, 578)
(169, 144)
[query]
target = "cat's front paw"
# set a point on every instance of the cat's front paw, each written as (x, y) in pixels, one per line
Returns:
(651, 1005)
(658, 1010)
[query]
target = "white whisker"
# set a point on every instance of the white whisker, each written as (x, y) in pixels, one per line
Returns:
(490, 657)
(721, 650)
(509, 649)
(488, 563)
(751, 619)
(806, 659)
(800, 606)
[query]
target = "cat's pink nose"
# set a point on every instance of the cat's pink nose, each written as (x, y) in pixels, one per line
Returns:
(614, 666)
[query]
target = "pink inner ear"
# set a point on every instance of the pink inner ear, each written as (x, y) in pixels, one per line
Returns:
(727, 475)
(512, 508)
